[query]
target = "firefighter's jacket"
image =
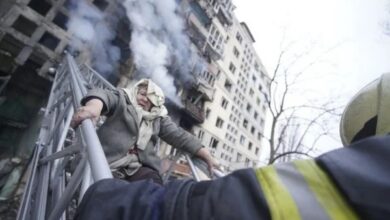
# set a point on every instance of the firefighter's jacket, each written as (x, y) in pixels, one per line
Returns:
(345, 184)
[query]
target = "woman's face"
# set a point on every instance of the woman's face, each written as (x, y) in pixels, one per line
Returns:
(143, 100)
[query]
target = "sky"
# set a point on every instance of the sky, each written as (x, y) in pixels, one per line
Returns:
(351, 31)
(353, 28)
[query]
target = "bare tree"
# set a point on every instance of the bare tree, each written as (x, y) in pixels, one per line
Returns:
(296, 126)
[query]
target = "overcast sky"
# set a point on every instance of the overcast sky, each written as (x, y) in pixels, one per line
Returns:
(356, 26)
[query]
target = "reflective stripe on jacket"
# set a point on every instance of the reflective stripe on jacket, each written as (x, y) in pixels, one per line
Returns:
(304, 191)
(349, 183)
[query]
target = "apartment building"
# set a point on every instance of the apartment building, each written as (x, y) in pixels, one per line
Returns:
(235, 116)
(223, 106)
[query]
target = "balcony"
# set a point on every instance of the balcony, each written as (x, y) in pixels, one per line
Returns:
(214, 52)
(224, 16)
(205, 88)
(194, 111)
(196, 32)
(205, 80)
(202, 13)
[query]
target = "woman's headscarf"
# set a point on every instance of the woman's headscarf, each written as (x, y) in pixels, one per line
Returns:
(145, 119)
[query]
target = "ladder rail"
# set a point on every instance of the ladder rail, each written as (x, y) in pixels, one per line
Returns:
(66, 162)
(43, 197)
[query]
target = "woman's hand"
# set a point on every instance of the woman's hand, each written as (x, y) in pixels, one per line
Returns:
(205, 155)
(91, 110)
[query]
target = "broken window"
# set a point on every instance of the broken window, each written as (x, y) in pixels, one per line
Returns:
(50, 41)
(213, 143)
(24, 26)
(40, 6)
(60, 20)
(11, 45)
(101, 4)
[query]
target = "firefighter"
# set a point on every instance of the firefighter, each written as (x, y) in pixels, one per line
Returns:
(136, 119)
(346, 184)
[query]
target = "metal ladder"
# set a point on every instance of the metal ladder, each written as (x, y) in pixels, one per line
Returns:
(66, 162)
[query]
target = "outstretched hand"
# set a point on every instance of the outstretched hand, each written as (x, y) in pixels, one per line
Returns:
(205, 155)
(91, 110)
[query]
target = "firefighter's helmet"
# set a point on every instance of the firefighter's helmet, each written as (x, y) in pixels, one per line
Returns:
(367, 114)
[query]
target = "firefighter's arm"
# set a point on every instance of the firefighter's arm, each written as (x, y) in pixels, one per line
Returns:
(235, 196)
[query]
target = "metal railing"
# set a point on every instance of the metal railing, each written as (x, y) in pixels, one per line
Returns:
(59, 164)
(66, 162)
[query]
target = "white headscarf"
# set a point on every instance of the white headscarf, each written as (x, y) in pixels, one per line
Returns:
(145, 119)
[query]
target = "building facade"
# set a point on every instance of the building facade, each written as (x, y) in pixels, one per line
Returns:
(224, 105)
(235, 107)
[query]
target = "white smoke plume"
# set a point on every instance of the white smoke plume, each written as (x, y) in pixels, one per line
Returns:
(158, 40)
(91, 28)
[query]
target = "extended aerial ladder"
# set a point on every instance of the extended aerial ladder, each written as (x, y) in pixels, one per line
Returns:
(66, 162)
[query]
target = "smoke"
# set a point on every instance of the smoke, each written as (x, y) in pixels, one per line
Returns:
(159, 41)
(90, 28)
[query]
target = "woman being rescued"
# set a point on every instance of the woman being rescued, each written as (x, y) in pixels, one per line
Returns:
(136, 118)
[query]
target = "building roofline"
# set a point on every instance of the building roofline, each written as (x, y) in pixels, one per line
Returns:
(245, 26)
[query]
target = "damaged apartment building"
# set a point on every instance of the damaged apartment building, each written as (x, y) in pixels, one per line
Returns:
(223, 106)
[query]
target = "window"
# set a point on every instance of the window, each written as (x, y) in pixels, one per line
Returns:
(213, 143)
(207, 113)
(245, 123)
(252, 130)
(11, 45)
(262, 122)
(232, 68)
(242, 140)
(219, 123)
(260, 88)
(24, 26)
(255, 115)
(50, 41)
(239, 157)
(228, 85)
(254, 78)
(258, 136)
(257, 151)
(251, 92)
(40, 6)
(248, 107)
(250, 146)
(224, 103)
(61, 20)
(247, 162)
(200, 134)
(236, 52)
(258, 101)
(239, 37)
